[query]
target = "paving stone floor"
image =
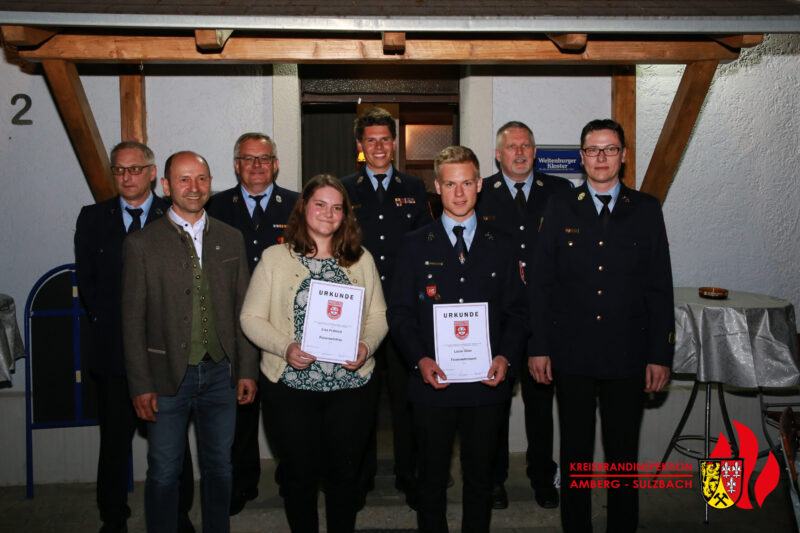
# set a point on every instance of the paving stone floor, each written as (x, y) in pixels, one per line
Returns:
(70, 508)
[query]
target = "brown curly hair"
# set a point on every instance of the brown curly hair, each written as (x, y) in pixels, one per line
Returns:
(346, 242)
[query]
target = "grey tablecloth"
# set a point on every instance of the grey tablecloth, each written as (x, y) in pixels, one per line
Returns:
(746, 340)
(10, 341)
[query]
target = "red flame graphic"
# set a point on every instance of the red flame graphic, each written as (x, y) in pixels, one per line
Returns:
(748, 451)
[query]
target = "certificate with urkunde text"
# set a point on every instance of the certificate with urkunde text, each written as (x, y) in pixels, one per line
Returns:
(333, 321)
(461, 340)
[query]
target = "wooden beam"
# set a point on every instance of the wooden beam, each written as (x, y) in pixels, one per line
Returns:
(678, 127)
(133, 49)
(568, 41)
(211, 40)
(623, 110)
(739, 41)
(27, 35)
(394, 42)
(133, 108)
(81, 127)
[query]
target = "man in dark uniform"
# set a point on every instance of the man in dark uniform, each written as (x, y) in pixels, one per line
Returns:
(457, 259)
(259, 208)
(513, 200)
(387, 204)
(601, 319)
(99, 233)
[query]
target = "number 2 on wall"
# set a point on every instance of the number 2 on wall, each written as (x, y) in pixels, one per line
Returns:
(26, 105)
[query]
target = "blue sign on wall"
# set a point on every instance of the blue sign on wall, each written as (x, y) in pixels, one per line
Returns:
(558, 160)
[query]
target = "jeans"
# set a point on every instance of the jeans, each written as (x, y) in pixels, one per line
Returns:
(205, 392)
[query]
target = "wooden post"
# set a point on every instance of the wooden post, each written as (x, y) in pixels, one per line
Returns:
(81, 126)
(678, 127)
(623, 110)
(133, 108)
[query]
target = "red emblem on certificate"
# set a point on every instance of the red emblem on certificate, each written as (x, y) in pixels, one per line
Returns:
(431, 290)
(334, 309)
(461, 329)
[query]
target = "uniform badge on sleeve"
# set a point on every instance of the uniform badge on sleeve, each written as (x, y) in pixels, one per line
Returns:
(430, 290)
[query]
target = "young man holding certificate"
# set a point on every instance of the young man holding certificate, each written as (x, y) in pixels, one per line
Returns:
(457, 313)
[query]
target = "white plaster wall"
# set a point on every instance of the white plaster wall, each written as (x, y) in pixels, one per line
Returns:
(555, 107)
(43, 190)
(732, 212)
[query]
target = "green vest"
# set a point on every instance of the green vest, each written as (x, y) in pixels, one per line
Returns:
(204, 332)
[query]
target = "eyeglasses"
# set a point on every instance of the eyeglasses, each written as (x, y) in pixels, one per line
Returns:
(594, 151)
(134, 170)
(251, 159)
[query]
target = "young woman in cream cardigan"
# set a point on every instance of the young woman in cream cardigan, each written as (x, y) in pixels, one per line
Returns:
(317, 415)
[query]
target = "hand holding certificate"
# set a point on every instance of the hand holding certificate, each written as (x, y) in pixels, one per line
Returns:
(333, 322)
(461, 340)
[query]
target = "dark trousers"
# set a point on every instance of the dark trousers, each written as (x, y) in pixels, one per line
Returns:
(621, 404)
(478, 428)
(392, 369)
(118, 424)
(319, 440)
(245, 456)
(538, 400)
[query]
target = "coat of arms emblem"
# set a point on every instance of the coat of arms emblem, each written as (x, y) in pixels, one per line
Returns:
(721, 481)
(461, 329)
(334, 309)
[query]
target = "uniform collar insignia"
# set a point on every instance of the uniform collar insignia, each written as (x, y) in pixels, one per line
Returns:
(235, 198)
(626, 198)
(360, 179)
(497, 184)
(431, 236)
(397, 179)
(489, 236)
(539, 183)
(278, 198)
(581, 196)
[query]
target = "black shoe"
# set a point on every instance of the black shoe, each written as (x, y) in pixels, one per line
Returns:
(499, 497)
(408, 486)
(114, 528)
(546, 497)
(239, 499)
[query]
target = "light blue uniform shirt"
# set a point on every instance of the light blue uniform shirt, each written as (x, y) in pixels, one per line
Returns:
(251, 203)
(614, 192)
(127, 219)
(526, 189)
(470, 226)
(374, 180)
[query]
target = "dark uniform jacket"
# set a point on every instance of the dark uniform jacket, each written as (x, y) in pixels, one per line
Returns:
(157, 316)
(429, 273)
(405, 208)
(601, 302)
(229, 207)
(497, 207)
(99, 233)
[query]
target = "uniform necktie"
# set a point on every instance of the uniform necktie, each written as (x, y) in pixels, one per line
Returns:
(605, 212)
(519, 198)
(380, 191)
(135, 214)
(258, 211)
(461, 246)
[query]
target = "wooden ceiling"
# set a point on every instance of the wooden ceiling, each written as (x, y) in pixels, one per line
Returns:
(620, 34)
